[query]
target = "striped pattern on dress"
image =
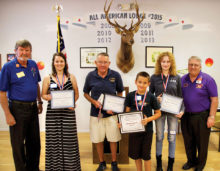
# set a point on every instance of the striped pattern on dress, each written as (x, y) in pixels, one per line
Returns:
(62, 150)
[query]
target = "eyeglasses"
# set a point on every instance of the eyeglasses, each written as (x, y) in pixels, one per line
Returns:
(193, 65)
(103, 62)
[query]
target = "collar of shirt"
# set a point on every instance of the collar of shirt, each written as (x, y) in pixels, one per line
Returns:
(188, 78)
(96, 73)
(18, 65)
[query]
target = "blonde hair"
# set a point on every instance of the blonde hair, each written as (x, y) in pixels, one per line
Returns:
(158, 68)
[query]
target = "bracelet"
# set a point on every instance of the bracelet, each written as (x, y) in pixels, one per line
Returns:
(212, 116)
(40, 102)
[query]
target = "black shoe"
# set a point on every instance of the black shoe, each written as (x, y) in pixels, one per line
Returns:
(114, 166)
(159, 163)
(197, 169)
(102, 166)
(170, 164)
(187, 166)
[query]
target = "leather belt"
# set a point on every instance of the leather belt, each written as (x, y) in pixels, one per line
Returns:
(197, 113)
(23, 103)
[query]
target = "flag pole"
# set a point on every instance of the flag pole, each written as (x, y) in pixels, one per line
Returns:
(58, 9)
(60, 41)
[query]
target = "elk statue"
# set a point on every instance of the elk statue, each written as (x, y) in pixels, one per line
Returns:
(125, 57)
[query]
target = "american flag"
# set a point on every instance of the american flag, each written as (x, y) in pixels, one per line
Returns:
(60, 41)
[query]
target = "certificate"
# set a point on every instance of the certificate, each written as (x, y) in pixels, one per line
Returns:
(113, 103)
(171, 104)
(131, 122)
(62, 99)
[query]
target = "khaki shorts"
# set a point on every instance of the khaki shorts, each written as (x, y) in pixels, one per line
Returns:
(104, 127)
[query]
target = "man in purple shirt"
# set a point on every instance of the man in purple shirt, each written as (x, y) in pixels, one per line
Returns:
(201, 101)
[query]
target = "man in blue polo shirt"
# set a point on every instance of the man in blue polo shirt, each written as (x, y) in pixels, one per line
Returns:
(18, 94)
(201, 101)
(103, 123)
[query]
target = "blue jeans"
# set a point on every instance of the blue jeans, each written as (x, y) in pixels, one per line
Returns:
(172, 123)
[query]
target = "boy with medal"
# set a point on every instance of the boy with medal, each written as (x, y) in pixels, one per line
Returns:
(142, 100)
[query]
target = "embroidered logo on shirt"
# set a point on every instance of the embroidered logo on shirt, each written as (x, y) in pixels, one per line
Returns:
(33, 70)
(173, 81)
(112, 79)
(140, 103)
(185, 85)
(199, 85)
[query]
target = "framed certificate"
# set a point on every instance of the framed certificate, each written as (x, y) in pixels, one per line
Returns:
(131, 122)
(152, 52)
(113, 103)
(88, 56)
(62, 99)
(171, 104)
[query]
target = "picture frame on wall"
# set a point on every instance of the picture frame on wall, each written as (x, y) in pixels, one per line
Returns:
(88, 56)
(10, 56)
(152, 52)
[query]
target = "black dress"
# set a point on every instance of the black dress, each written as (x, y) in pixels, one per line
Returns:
(62, 150)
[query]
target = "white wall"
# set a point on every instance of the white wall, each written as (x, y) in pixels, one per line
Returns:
(34, 20)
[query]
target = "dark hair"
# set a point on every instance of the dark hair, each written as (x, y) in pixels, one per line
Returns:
(143, 74)
(23, 43)
(54, 72)
(103, 54)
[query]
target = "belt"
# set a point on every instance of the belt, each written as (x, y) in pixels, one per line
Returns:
(197, 113)
(23, 103)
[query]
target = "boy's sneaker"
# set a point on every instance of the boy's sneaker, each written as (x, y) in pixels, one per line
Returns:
(114, 166)
(102, 166)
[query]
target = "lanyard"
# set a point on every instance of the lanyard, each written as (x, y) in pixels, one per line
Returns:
(145, 95)
(165, 85)
(63, 80)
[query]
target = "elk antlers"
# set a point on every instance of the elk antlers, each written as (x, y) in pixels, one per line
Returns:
(118, 28)
(125, 57)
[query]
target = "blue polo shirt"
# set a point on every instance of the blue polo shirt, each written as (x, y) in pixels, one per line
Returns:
(196, 95)
(97, 85)
(20, 82)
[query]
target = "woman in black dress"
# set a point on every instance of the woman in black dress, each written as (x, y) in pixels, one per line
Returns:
(62, 150)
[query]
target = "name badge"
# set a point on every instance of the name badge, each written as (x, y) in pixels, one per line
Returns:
(198, 81)
(53, 86)
(20, 74)
(139, 98)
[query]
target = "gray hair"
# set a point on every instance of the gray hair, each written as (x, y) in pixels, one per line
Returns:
(196, 58)
(103, 54)
(23, 43)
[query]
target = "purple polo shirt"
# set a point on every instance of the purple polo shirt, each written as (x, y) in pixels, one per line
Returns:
(196, 95)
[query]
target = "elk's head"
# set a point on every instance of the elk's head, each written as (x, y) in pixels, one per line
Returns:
(127, 38)
(125, 57)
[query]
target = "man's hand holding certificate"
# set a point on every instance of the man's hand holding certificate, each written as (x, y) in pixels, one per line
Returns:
(131, 122)
(113, 103)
